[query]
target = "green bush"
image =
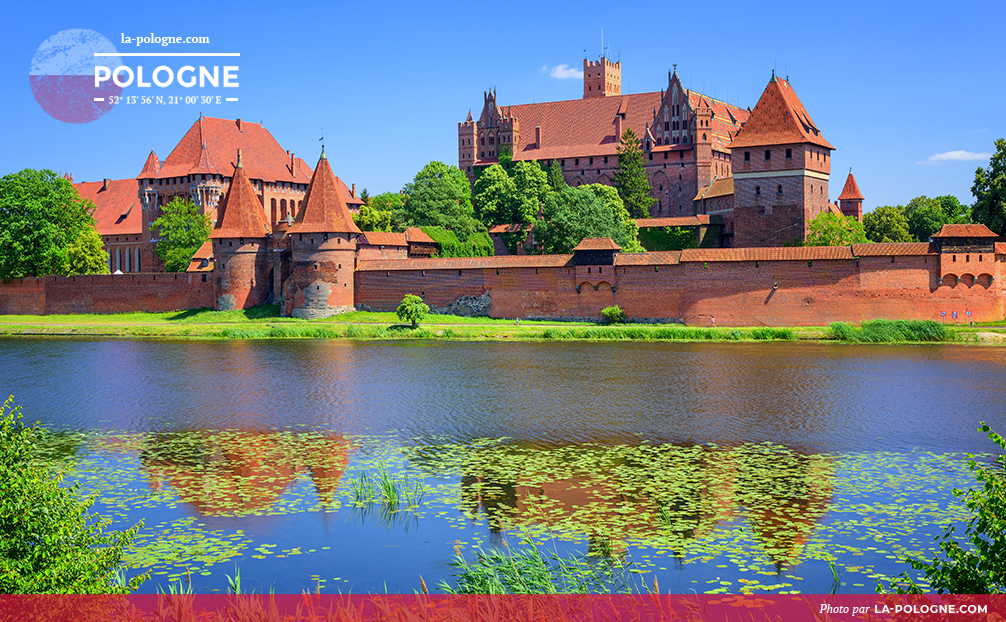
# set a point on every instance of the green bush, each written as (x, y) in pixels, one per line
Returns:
(981, 567)
(613, 315)
(412, 309)
(50, 543)
(783, 334)
(477, 245)
(883, 331)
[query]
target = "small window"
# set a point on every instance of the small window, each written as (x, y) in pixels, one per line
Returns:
(789, 154)
(779, 188)
(747, 156)
(757, 189)
(768, 155)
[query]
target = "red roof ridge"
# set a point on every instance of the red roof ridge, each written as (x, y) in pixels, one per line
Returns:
(597, 244)
(240, 214)
(415, 234)
(965, 231)
(851, 190)
(324, 210)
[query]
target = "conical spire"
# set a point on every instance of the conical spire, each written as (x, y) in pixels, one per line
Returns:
(851, 190)
(779, 118)
(240, 215)
(150, 167)
(325, 210)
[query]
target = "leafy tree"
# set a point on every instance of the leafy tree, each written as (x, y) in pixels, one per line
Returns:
(86, 255)
(495, 194)
(570, 216)
(412, 309)
(626, 232)
(505, 157)
(181, 230)
(50, 544)
(952, 208)
(41, 217)
(387, 201)
(365, 196)
(981, 567)
(439, 196)
(532, 188)
(630, 179)
(887, 224)
(830, 229)
(370, 219)
(555, 179)
(989, 191)
(613, 315)
(925, 219)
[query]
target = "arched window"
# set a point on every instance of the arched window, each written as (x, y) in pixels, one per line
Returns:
(779, 189)
(282, 209)
(272, 210)
(757, 189)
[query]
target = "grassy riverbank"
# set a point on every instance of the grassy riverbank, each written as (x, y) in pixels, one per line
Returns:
(264, 322)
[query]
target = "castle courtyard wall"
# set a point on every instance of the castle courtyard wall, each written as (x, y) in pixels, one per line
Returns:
(106, 293)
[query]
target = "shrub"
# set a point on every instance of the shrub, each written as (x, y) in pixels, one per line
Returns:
(412, 309)
(50, 544)
(613, 315)
(881, 331)
(981, 567)
(783, 334)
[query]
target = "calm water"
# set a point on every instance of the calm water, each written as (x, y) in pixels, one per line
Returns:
(713, 466)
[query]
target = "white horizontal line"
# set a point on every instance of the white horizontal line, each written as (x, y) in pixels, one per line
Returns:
(231, 99)
(167, 54)
(99, 99)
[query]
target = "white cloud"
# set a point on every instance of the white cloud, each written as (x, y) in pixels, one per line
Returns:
(565, 72)
(544, 68)
(956, 156)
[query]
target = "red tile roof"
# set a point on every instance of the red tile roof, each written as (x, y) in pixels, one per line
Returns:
(205, 166)
(415, 234)
(240, 215)
(851, 191)
(385, 238)
(205, 252)
(673, 221)
(117, 208)
(778, 119)
(659, 258)
(467, 263)
(597, 244)
(779, 253)
(719, 188)
(267, 161)
(511, 228)
(965, 231)
(1000, 248)
(324, 210)
(586, 127)
(888, 249)
(727, 119)
(150, 167)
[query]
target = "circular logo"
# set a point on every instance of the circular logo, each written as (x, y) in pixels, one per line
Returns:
(62, 75)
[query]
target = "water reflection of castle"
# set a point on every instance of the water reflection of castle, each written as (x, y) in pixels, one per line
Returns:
(233, 473)
(681, 495)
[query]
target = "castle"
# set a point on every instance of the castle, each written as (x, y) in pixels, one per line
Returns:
(760, 174)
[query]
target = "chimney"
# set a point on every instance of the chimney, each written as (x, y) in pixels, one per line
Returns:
(293, 171)
(618, 127)
(105, 185)
(537, 135)
(352, 192)
(240, 129)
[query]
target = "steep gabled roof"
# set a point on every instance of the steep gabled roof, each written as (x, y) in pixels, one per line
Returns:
(240, 215)
(324, 210)
(851, 191)
(719, 188)
(965, 231)
(117, 209)
(779, 118)
(222, 138)
(150, 167)
(205, 166)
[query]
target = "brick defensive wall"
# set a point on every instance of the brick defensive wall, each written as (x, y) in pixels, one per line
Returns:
(106, 293)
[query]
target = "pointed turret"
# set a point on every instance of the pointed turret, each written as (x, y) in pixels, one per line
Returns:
(779, 118)
(324, 209)
(151, 167)
(240, 214)
(851, 200)
(205, 166)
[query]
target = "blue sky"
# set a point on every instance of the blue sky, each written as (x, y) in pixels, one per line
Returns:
(892, 89)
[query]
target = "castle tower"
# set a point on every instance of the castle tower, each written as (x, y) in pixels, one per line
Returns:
(323, 251)
(240, 246)
(467, 145)
(851, 200)
(601, 78)
(150, 202)
(703, 143)
(781, 164)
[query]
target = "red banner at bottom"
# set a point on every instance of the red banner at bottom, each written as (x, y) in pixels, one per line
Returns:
(492, 608)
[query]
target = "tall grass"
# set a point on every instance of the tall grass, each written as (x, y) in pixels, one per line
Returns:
(529, 571)
(886, 331)
(673, 332)
(395, 492)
